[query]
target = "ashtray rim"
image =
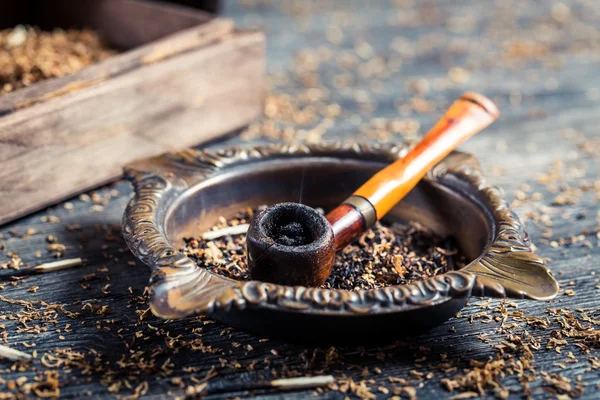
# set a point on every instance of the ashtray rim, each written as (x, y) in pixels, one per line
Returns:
(179, 287)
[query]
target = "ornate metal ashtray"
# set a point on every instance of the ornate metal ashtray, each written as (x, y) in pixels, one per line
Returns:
(181, 194)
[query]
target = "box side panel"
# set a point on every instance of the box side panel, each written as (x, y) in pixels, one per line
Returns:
(54, 150)
(180, 42)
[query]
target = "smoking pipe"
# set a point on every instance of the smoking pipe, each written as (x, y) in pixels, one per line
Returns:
(293, 244)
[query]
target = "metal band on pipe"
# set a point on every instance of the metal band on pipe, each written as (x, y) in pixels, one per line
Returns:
(365, 207)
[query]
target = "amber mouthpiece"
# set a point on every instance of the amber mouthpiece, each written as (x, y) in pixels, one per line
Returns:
(293, 244)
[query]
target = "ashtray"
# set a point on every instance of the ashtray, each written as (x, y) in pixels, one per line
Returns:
(181, 194)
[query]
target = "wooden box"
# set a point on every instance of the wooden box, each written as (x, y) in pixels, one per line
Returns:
(184, 78)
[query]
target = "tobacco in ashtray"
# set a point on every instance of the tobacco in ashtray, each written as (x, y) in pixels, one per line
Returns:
(390, 253)
(29, 55)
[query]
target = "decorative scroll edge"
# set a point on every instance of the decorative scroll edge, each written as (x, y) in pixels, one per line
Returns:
(178, 287)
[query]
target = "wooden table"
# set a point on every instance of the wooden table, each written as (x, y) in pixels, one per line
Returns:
(389, 69)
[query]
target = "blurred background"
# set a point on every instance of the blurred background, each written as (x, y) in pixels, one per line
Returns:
(384, 70)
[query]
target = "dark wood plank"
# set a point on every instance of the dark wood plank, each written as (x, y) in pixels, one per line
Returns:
(211, 6)
(552, 131)
(126, 24)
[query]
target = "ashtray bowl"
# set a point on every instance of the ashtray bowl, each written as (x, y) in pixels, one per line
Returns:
(182, 194)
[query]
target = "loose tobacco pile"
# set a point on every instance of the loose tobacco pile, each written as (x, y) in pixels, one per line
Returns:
(388, 254)
(29, 55)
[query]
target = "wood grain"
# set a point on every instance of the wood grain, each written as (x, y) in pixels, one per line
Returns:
(67, 135)
(523, 145)
(182, 38)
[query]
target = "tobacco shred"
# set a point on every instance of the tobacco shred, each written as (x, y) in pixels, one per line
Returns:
(492, 349)
(29, 55)
(388, 254)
